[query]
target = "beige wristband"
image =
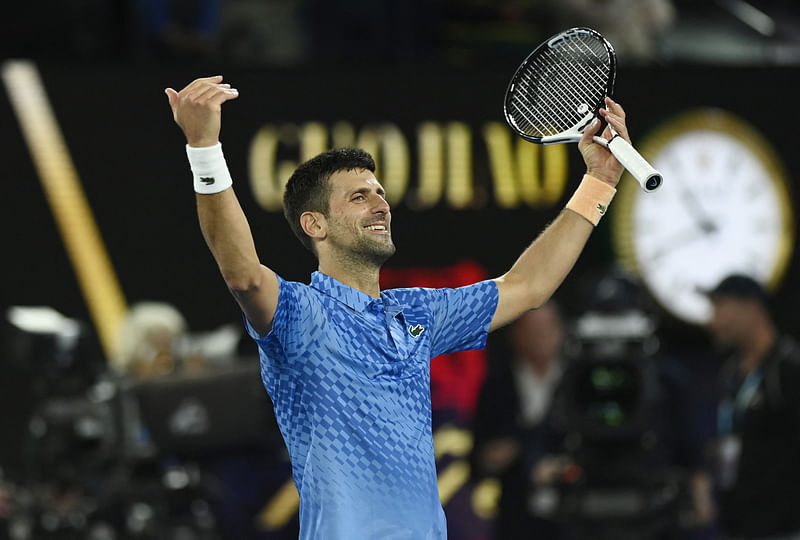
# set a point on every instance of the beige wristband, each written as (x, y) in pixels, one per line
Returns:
(591, 199)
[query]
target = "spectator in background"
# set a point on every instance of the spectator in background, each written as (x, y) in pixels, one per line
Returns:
(233, 478)
(263, 32)
(758, 419)
(148, 340)
(147, 347)
(154, 340)
(513, 401)
(633, 27)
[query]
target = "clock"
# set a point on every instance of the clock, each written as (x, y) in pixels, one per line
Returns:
(724, 208)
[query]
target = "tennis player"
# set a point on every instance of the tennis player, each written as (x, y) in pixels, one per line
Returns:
(346, 364)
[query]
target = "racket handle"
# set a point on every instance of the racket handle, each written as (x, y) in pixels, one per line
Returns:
(649, 178)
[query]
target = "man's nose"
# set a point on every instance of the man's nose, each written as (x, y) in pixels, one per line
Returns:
(381, 205)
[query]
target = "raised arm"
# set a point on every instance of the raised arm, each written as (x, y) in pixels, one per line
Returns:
(542, 267)
(197, 109)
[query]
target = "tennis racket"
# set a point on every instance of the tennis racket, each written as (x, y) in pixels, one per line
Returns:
(558, 91)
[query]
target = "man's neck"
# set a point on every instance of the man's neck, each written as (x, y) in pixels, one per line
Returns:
(541, 367)
(366, 280)
(753, 351)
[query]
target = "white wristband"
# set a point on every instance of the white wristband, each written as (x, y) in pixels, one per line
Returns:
(209, 169)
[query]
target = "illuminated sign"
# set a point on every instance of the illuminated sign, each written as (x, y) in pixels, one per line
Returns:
(433, 166)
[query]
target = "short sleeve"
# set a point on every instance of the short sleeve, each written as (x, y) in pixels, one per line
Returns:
(461, 316)
(271, 345)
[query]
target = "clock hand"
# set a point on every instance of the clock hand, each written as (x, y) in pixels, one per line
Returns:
(696, 210)
(681, 238)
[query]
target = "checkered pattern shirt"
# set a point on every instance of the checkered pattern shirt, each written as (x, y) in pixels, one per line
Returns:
(349, 377)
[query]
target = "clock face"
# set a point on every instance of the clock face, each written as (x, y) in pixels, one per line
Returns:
(723, 208)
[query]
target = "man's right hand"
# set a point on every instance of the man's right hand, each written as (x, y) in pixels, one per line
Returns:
(197, 109)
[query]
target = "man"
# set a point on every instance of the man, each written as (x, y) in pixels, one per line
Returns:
(346, 364)
(514, 401)
(758, 416)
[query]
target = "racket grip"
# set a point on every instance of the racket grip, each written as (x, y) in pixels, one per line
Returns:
(649, 178)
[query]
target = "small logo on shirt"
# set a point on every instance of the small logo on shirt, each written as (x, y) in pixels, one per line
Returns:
(415, 331)
(207, 180)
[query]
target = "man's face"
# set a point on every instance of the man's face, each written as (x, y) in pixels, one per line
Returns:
(731, 320)
(359, 218)
(538, 336)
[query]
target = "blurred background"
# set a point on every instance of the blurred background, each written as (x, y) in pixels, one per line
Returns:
(131, 400)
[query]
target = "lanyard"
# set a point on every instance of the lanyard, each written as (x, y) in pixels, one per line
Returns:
(730, 410)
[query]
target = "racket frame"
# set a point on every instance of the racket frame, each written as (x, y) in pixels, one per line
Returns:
(640, 169)
(575, 133)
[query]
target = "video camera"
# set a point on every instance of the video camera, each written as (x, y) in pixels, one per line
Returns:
(605, 416)
(104, 456)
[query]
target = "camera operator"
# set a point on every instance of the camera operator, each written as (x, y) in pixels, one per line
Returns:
(622, 458)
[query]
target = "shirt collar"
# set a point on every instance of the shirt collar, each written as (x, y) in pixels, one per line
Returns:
(351, 297)
(337, 290)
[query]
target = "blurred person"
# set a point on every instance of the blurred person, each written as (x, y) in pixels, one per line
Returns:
(154, 340)
(633, 27)
(148, 340)
(258, 32)
(513, 401)
(758, 418)
(346, 364)
(155, 347)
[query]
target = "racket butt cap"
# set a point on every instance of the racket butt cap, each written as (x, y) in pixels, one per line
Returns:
(652, 183)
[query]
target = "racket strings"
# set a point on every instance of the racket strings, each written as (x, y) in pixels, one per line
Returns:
(578, 59)
(546, 116)
(594, 64)
(544, 113)
(563, 94)
(560, 86)
(542, 116)
(564, 99)
(560, 96)
(577, 77)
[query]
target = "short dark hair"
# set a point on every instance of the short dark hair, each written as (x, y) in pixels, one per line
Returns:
(740, 287)
(309, 189)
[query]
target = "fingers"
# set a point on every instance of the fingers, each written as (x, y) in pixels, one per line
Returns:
(614, 115)
(206, 90)
(615, 107)
(590, 132)
(210, 93)
(197, 108)
(172, 96)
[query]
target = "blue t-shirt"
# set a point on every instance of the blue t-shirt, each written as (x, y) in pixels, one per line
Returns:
(349, 377)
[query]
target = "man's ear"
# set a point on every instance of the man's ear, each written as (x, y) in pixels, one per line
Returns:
(314, 225)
